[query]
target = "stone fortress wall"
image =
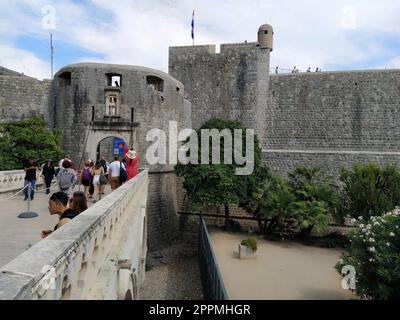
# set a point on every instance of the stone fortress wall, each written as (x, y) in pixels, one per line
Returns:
(333, 119)
(329, 119)
(24, 97)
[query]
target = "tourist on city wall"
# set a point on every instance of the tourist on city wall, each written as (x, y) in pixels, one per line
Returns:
(78, 202)
(114, 173)
(97, 172)
(105, 165)
(131, 159)
(66, 178)
(48, 173)
(60, 163)
(30, 169)
(86, 178)
(58, 204)
(91, 186)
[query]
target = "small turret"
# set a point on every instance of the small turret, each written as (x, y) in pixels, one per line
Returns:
(266, 37)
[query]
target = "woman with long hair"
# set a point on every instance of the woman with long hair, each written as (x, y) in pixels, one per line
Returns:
(79, 202)
(86, 178)
(96, 172)
(48, 174)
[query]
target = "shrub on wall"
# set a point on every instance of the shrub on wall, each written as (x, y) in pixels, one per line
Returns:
(370, 190)
(27, 139)
(374, 252)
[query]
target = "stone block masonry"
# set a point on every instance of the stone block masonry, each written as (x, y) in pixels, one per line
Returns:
(24, 97)
(333, 120)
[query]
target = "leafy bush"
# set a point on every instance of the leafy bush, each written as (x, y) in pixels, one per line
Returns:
(277, 204)
(250, 243)
(374, 252)
(370, 190)
(306, 199)
(309, 215)
(27, 139)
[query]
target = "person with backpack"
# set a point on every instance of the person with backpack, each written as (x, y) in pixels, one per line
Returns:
(116, 173)
(86, 178)
(66, 178)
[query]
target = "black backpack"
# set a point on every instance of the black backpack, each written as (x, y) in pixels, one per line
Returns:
(122, 174)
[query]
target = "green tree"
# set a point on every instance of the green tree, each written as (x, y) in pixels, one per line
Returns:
(277, 204)
(370, 190)
(218, 184)
(27, 139)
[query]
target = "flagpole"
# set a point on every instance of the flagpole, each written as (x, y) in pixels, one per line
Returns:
(52, 54)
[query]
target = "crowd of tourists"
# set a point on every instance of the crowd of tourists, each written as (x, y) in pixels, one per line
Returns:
(93, 177)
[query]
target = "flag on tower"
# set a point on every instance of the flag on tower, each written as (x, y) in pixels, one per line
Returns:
(193, 27)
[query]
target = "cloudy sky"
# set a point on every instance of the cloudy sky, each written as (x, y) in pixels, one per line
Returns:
(333, 35)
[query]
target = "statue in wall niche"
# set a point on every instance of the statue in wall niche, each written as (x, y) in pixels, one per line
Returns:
(111, 108)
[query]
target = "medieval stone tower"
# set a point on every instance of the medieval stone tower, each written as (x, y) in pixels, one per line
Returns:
(232, 84)
(95, 101)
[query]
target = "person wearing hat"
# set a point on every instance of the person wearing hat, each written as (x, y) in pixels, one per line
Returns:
(131, 159)
(48, 173)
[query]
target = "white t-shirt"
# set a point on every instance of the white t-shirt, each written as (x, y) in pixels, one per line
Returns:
(114, 168)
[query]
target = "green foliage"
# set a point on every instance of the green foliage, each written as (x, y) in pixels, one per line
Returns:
(370, 190)
(317, 198)
(309, 215)
(306, 199)
(277, 203)
(27, 139)
(374, 252)
(217, 184)
(250, 243)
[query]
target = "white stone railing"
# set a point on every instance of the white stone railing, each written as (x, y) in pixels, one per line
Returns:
(11, 181)
(100, 254)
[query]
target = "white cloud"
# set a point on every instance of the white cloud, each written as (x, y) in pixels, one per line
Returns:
(307, 33)
(24, 62)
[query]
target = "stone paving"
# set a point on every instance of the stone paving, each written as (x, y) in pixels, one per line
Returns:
(17, 235)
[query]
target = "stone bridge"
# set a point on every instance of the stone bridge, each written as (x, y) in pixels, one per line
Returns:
(101, 254)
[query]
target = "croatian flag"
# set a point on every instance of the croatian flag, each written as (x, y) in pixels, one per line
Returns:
(193, 26)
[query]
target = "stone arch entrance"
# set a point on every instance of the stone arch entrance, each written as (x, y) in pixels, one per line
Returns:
(97, 136)
(109, 147)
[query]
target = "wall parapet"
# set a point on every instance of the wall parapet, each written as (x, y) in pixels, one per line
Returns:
(98, 255)
(11, 180)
